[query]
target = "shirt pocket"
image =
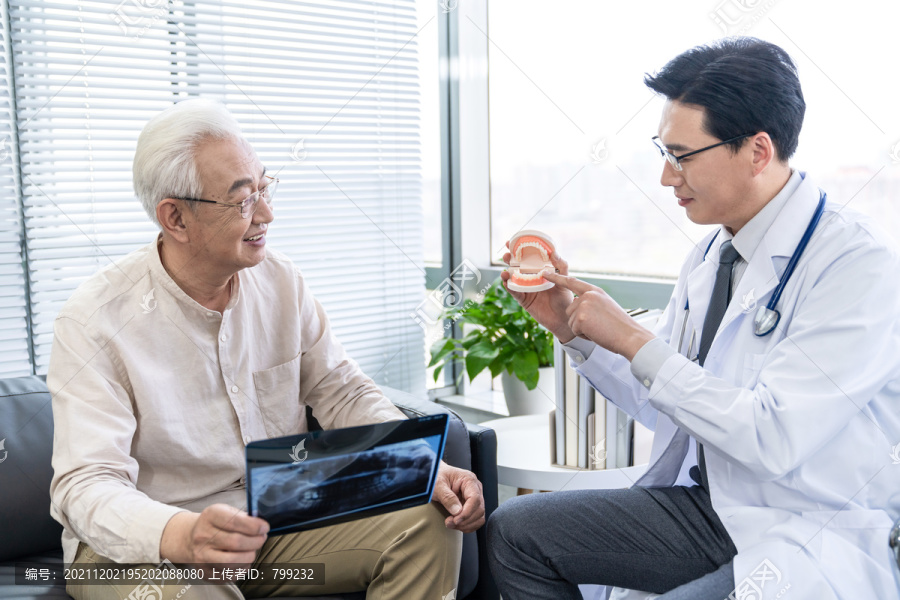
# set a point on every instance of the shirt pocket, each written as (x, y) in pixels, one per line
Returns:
(278, 394)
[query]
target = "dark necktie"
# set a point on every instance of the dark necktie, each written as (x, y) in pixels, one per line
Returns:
(718, 303)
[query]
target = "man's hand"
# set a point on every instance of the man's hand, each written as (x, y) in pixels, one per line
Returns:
(594, 316)
(454, 485)
(548, 307)
(219, 534)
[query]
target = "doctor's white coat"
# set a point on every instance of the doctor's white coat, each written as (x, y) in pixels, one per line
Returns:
(798, 426)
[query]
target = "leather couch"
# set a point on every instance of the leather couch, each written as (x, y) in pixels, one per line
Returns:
(29, 535)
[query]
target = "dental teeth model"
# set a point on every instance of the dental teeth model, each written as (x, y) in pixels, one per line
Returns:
(529, 255)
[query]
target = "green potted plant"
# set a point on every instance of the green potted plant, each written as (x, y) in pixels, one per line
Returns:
(507, 341)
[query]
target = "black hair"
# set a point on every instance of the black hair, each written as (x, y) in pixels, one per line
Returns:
(745, 85)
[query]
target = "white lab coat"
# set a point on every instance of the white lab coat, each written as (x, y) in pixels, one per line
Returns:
(798, 426)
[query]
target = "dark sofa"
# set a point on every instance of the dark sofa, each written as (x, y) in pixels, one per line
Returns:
(29, 535)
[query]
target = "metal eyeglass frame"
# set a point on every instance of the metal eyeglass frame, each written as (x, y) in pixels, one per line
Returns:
(675, 161)
(249, 201)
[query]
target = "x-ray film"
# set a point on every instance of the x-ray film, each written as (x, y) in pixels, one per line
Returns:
(321, 478)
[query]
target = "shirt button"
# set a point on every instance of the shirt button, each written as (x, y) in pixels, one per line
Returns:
(223, 338)
(579, 359)
(235, 389)
(646, 382)
(246, 439)
(209, 314)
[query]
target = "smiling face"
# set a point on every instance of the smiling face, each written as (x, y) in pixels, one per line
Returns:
(715, 186)
(221, 239)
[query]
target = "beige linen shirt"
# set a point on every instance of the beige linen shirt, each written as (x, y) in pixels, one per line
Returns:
(155, 396)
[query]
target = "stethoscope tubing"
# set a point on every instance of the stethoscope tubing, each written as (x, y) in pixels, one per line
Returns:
(782, 282)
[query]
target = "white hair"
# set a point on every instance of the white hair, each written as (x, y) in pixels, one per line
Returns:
(164, 165)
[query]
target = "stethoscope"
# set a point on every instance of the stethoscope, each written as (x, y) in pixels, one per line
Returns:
(767, 316)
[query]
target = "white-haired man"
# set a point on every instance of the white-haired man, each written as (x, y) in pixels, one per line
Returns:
(165, 364)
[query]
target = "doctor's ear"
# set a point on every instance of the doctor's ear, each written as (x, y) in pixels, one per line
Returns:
(763, 152)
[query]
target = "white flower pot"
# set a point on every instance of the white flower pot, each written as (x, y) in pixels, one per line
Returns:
(522, 401)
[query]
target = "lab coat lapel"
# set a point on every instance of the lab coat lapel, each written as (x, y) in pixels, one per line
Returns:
(759, 279)
(669, 441)
(699, 288)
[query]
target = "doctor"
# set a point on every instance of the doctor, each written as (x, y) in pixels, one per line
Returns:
(771, 472)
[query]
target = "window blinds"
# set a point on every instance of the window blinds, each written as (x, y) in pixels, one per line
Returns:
(327, 93)
(14, 335)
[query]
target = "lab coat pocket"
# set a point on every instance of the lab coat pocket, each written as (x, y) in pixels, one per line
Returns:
(851, 535)
(752, 366)
(278, 394)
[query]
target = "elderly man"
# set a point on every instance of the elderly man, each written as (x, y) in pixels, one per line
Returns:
(168, 362)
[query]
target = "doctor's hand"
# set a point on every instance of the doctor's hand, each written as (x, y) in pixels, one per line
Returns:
(460, 493)
(548, 307)
(594, 316)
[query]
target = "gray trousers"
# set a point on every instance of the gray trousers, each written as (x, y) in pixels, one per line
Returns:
(651, 539)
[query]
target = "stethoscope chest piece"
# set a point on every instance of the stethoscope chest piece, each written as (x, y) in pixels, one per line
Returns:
(765, 321)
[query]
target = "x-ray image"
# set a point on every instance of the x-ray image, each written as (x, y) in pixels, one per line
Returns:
(316, 488)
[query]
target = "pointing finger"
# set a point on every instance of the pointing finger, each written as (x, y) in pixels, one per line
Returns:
(568, 282)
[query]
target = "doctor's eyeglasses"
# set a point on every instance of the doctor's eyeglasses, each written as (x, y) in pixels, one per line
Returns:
(675, 161)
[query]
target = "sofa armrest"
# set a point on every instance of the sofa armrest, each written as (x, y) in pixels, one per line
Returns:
(480, 458)
(483, 444)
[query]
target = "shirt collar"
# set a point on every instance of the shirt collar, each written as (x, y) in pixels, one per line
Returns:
(748, 238)
(159, 271)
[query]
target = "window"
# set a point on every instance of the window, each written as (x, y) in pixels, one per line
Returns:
(571, 120)
(329, 97)
(14, 324)
(428, 14)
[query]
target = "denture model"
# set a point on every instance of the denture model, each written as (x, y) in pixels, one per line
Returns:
(530, 252)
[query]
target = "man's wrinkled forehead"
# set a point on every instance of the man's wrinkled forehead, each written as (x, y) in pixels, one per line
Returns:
(230, 162)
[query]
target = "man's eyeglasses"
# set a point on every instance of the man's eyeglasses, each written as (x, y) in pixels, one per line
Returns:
(248, 205)
(675, 161)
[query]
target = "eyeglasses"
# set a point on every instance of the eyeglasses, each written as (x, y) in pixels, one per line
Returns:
(675, 161)
(248, 205)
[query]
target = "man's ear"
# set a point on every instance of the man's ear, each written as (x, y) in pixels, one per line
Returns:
(171, 215)
(763, 152)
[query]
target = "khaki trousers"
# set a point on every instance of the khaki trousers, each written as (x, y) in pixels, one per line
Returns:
(408, 555)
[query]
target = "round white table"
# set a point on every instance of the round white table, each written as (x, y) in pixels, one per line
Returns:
(523, 460)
